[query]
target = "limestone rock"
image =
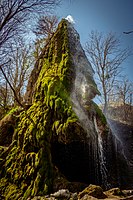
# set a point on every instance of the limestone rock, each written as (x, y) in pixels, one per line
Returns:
(57, 131)
(7, 126)
(119, 194)
(93, 190)
(64, 193)
(115, 192)
(88, 197)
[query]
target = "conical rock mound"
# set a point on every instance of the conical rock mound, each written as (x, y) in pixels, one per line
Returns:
(30, 165)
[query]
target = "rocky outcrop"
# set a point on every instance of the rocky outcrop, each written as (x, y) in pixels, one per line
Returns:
(28, 169)
(61, 140)
(123, 142)
(92, 192)
(7, 127)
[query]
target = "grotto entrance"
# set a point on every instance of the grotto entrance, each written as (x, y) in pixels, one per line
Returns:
(76, 162)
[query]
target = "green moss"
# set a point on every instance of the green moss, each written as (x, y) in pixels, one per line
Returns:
(2, 149)
(93, 190)
(13, 110)
(28, 166)
(8, 190)
(115, 192)
(27, 192)
(100, 114)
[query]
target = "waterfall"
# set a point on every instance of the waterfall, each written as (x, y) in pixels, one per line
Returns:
(82, 86)
(82, 93)
(122, 140)
(104, 168)
(102, 158)
(117, 140)
(79, 97)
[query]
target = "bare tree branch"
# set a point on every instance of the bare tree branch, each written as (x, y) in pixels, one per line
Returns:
(15, 95)
(46, 25)
(15, 15)
(106, 57)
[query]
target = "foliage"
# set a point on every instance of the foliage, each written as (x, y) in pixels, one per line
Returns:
(14, 110)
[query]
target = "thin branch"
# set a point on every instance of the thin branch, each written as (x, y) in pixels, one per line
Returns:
(14, 92)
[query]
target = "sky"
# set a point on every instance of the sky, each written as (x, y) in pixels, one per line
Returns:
(104, 16)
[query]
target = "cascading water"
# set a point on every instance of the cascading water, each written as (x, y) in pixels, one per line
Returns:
(88, 156)
(79, 98)
(122, 140)
(119, 145)
(78, 102)
(102, 158)
(82, 93)
(83, 71)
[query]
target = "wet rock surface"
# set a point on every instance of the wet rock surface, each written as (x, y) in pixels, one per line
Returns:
(92, 192)
(61, 142)
(123, 140)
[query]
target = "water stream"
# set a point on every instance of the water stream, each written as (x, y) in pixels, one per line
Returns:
(102, 158)
(78, 102)
(79, 96)
(82, 93)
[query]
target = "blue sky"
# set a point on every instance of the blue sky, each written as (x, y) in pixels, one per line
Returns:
(105, 16)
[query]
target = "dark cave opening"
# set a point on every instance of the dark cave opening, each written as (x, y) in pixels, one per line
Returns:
(76, 162)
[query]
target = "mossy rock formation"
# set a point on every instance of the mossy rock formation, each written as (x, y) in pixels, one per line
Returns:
(28, 168)
(93, 190)
(49, 133)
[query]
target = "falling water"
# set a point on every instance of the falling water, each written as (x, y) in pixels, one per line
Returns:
(82, 93)
(122, 149)
(102, 159)
(78, 102)
(79, 97)
(90, 127)
(117, 140)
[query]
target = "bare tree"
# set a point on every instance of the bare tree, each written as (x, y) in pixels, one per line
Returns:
(106, 57)
(10, 85)
(124, 91)
(19, 69)
(16, 12)
(44, 29)
(14, 16)
(121, 108)
(4, 98)
(46, 26)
